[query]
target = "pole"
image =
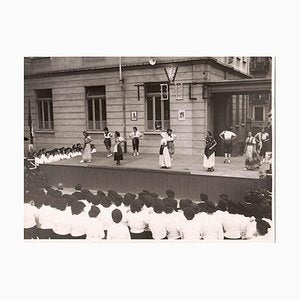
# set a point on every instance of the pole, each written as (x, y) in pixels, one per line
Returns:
(121, 79)
(30, 148)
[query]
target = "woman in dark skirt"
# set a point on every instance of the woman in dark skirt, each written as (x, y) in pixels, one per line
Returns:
(118, 153)
(107, 141)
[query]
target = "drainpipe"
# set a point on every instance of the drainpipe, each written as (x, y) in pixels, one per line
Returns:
(122, 85)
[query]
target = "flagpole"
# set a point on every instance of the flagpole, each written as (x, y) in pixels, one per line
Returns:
(30, 147)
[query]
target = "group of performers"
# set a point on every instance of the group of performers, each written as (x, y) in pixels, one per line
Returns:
(166, 150)
(255, 147)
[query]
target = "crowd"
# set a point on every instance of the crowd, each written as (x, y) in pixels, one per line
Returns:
(51, 213)
(44, 156)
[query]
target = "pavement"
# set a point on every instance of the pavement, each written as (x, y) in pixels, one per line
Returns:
(181, 163)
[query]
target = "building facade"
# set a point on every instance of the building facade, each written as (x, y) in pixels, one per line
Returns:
(260, 105)
(66, 95)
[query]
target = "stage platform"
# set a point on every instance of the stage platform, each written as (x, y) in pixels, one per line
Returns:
(187, 177)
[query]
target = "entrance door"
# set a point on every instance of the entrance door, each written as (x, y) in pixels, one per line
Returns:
(221, 119)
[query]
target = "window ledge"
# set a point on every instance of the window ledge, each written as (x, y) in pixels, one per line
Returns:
(153, 132)
(44, 131)
(95, 131)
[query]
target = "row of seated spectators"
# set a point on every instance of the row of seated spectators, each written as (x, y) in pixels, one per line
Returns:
(52, 214)
(44, 156)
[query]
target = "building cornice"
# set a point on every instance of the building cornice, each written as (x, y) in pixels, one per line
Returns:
(114, 68)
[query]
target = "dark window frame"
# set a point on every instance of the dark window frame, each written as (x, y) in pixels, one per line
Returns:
(156, 96)
(44, 108)
(94, 100)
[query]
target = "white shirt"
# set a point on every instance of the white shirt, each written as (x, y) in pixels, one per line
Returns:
(78, 224)
(234, 226)
(62, 222)
(105, 216)
(43, 158)
(118, 232)
(158, 225)
(228, 134)
(30, 215)
(191, 230)
(221, 215)
(46, 217)
(94, 151)
(94, 229)
(137, 221)
(212, 228)
(174, 221)
(136, 134)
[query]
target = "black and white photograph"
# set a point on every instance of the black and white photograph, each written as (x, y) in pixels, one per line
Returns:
(149, 150)
(199, 169)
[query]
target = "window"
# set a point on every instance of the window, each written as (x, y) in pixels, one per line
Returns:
(258, 113)
(157, 106)
(44, 109)
(96, 107)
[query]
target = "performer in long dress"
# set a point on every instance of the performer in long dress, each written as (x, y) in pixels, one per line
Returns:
(164, 155)
(107, 141)
(209, 152)
(262, 139)
(118, 153)
(170, 141)
(86, 155)
(251, 160)
(227, 137)
(135, 136)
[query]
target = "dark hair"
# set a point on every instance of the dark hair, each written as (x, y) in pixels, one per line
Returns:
(70, 199)
(135, 127)
(117, 133)
(189, 213)
(77, 207)
(183, 204)
(170, 193)
(94, 211)
(38, 201)
(203, 197)
(136, 205)
(210, 207)
(100, 194)
(222, 205)
(195, 208)
(117, 200)
(127, 199)
(105, 129)
(78, 187)
(148, 200)
(232, 207)
(61, 204)
(95, 200)
(106, 202)
(158, 206)
(48, 200)
(169, 209)
(116, 215)
(262, 227)
(209, 133)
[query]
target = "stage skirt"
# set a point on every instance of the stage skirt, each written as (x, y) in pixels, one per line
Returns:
(165, 159)
(107, 143)
(252, 161)
(87, 155)
(118, 153)
(209, 162)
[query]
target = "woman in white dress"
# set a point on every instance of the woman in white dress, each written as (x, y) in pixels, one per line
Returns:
(252, 161)
(170, 140)
(164, 155)
(209, 152)
(86, 155)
